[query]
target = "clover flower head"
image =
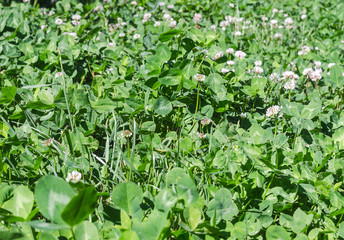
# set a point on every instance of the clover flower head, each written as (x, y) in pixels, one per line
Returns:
(58, 21)
(290, 85)
(230, 62)
(315, 75)
(307, 71)
(330, 65)
(126, 133)
(258, 63)
(224, 70)
(237, 34)
(278, 36)
(199, 77)
(274, 23)
(274, 77)
(218, 55)
(206, 122)
(230, 51)
(58, 74)
(76, 17)
(272, 111)
(146, 17)
(304, 50)
(75, 176)
(201, 135)
(197, 18)
(240, 54)
(317, 63)
(136, 36)
(258, 70)
(173, 23)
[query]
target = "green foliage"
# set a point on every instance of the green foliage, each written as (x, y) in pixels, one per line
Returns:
(171, 120)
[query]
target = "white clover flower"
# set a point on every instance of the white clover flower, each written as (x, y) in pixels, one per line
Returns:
(134, 3)
(199, 77)
(121, 35)
(224, 70)
(161, 4)
(230, 62)
(272, 111)
(274, 77)
(230, 51)
(25, 1)
(170, 6)
(218, 55)
(290, 85)
(278, 36)
(136, 36)
(315, 76)
(229, 19)
(231, 5)
(43, 27)
(303, 16)
(75, 176)
(258, 70)
(206, 121)
(73, 34)
(274, 23)
(290, 75)
(126, 133)
(240, 54)
(213, 27)
(237, 34)
(275, 10)
(58, 74)
(201, 135)
(156, 24)
(264, 18)
(76, 17)
(304, 50)
(146, 17)
(75, 22)
(288, 21)
(243, 115)
(342, 41)
(111, 44)
(330, 65)
(197, 18)
(51, 13)
(258, 63)
(316, 48)
(307, 72)
(97, 8)
(173, 23)
(58, 21)
(166, 16)
(317, 63)
(48, 142)
(224, 24)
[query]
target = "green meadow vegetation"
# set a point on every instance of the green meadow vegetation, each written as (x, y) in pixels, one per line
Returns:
(144, 120)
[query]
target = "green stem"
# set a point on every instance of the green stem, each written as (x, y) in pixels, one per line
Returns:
(196, 102)
(128, 149)
(275, 128)
(65, 91)
(266, 190)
